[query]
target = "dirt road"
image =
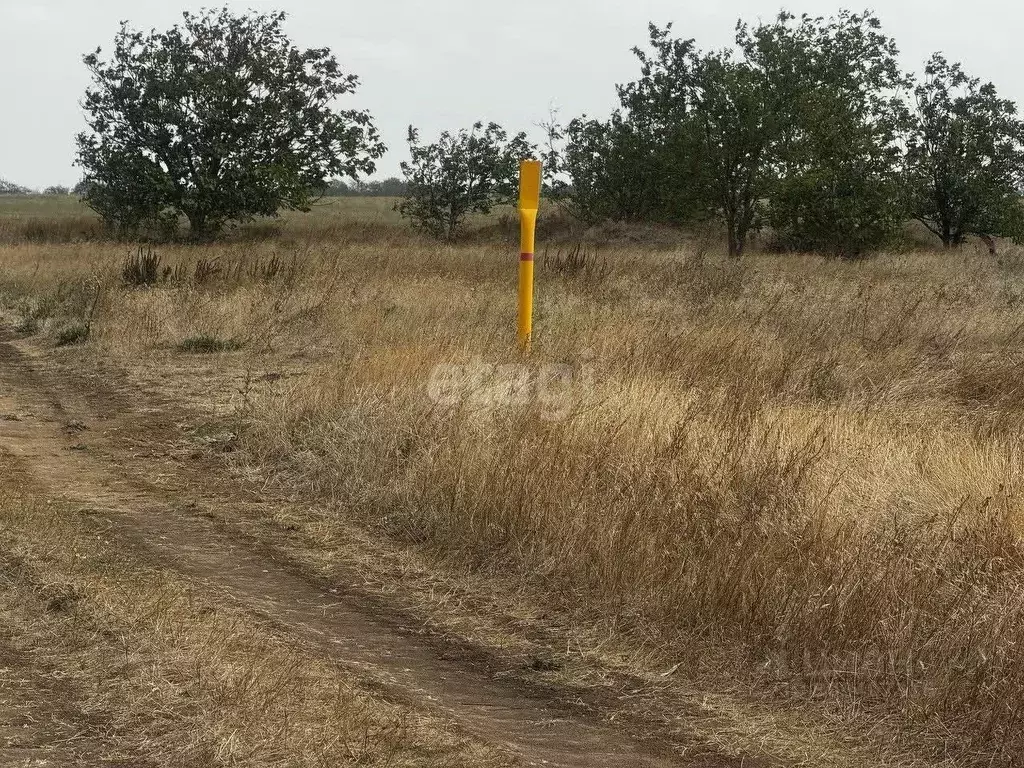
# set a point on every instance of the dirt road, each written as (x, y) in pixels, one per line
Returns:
(105, 447)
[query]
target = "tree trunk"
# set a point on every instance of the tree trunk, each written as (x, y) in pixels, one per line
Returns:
(735, 243)
(199, 228)
(947, 236)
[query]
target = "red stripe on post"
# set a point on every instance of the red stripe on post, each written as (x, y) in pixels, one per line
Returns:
(526, 257)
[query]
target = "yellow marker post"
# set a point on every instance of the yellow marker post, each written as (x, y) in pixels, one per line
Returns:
(529, 204)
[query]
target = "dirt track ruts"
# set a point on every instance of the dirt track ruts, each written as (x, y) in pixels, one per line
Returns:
(162, 524)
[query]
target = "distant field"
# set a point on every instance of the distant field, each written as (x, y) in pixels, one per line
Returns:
(41, 205)
(62, 208)
(70, 205)
(64, 218)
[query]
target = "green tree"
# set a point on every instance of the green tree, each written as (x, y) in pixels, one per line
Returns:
(10, 188)
(219, 119)
(667, 142)
(835, 87)
(965, 157)
(691, 141)
(389, 187)
(466, 172)
(714, 124)
(738, 131)
(641, 163)
(612, 171)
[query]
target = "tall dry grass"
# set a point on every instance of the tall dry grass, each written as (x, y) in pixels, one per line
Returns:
(152, 670)
(797, 472)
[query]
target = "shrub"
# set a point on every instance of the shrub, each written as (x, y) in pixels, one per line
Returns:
(459, 174)
(205, 344)
(27, 326)
(578, 260)
(141, 269)
(207, 270)
(76, 333)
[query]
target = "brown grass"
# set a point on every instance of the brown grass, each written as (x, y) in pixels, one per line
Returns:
(152, 672)
(792, 471)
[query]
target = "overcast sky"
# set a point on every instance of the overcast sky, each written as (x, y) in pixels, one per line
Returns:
(446, 63)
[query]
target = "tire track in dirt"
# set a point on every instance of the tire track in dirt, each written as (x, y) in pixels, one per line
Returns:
(41, 725)
(36, 409)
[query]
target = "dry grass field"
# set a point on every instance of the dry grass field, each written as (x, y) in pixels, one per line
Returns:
(104, 662)
(786, 487)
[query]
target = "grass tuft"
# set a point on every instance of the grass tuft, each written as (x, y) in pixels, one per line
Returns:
(206, 344)
(28, 325)
(76, 333)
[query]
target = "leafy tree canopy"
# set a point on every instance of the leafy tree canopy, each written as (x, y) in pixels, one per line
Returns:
(798, 125)
(218, 119)
(836, 89)
(389, 187)
(10, 188)
(466, 172)
(965, 157)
